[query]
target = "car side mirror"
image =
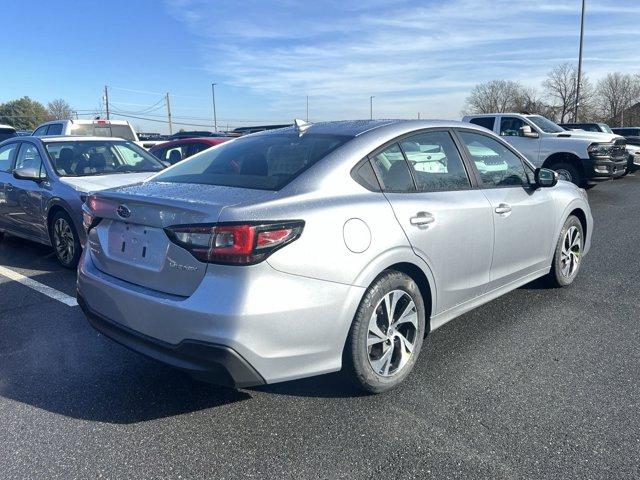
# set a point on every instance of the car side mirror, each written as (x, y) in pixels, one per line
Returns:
(527, 132)
(545, 177)
(28, 173)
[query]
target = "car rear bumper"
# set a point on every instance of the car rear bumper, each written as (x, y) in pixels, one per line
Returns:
(206, 361)
(251, 324)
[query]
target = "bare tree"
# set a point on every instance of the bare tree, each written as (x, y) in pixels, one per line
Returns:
(528, 100)
(59, 109)
(560, 88)
(493, 96)
(616, 93)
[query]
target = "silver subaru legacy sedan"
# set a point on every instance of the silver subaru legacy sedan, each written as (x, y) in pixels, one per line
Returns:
(45, 181)
(322, 247)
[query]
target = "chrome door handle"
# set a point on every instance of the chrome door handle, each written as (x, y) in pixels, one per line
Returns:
(422, 218)
(502, 209)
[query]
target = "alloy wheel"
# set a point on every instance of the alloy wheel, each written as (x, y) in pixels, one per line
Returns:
(392, 334)
(571, 252)
(63, 240)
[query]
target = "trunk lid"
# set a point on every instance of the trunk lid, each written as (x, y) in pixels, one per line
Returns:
(130, 242)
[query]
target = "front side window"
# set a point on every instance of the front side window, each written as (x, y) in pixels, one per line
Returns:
(264, 162)
(41, 131)
(511, 127)
(436, 162)
(29, 157)
(100, 157)
(486, 122)
(498, 166)
(393, 170)
(7, 153)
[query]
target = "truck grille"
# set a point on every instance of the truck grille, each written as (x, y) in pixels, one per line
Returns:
(619, 149)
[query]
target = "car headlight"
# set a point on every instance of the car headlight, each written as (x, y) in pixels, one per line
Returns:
(600, 149)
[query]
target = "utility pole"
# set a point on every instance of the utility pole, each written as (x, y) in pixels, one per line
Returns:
(106, 100)
(371, 106)
(213, 95)
(169, 114)
(575, 113)
(418, 115)
(307, 118)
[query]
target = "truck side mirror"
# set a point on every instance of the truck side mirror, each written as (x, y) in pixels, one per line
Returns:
(525, 131)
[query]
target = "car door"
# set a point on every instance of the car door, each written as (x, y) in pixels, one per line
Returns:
(7, 156)
(523, 216)
(447, 221)
(27, 197)
(511, 130)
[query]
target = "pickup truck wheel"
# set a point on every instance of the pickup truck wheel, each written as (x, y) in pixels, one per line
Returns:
(567, 259)
(568, 172)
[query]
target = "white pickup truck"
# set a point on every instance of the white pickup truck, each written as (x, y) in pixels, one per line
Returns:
(583, 158)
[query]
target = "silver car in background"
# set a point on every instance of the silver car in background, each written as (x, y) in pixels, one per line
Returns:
(323, 247)
(45, 181)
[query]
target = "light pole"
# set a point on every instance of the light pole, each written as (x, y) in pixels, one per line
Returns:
(307, 119)
(575, 113)
(213, 96)
(371, 106)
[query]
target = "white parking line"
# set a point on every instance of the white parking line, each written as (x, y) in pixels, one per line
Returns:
(38, 287)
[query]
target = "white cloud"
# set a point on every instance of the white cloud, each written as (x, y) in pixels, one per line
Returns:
(412, 57)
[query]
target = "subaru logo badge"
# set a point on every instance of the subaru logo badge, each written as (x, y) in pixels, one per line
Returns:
(123, 211)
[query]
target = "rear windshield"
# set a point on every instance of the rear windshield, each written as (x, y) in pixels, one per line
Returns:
(101, 130)
(264, 162)
(95, 157)
(7, 133)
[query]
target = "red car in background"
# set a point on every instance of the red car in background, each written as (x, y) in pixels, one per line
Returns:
(177, 150)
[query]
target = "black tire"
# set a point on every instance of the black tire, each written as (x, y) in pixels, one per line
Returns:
(568, 172)
(557, 276)
(356, 360)
(66, 243)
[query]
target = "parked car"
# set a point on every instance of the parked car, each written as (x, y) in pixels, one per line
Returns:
(88, 128)
(587, 127)
(194, 134)
(149, 140)
(305, 250)
(177, 150)
(44, 181)
(7, 131)
(632, 134)
(256, 128)
(24, 133)
(583, 158)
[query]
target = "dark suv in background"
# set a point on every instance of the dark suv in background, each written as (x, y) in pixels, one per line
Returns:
(632, 134)
(588, 127)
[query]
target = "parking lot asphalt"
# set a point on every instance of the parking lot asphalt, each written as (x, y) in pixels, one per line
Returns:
(537, 384)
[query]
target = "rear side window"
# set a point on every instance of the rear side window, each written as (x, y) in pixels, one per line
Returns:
(102, 130)
(436, 162)
(264, 162)
(7, 153)
(486, 122)
(55, 129)
(393, 170)
(7, 133)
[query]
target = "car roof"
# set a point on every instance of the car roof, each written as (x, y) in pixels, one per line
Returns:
(6, 126)
(77, 138)
(84, 121)
(357, 128)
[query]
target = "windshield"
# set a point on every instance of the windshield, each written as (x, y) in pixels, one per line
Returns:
(95, 157)
(102, 130)
(544, 124)
(264, 162)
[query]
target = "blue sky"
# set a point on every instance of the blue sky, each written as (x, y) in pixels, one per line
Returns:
(266, 56)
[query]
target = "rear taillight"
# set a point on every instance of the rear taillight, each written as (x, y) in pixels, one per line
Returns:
(235, 244)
